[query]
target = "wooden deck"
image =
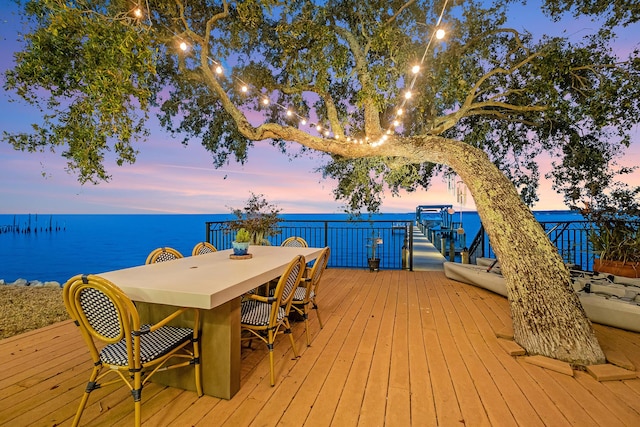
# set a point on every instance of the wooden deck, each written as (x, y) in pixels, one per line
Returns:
(398, 349)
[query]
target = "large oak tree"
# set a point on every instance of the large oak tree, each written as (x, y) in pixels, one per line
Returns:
(486, 100)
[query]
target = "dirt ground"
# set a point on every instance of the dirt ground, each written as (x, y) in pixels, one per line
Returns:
(24, 308)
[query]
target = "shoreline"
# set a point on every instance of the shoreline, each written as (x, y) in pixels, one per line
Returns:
(32, 283)
(25, 308)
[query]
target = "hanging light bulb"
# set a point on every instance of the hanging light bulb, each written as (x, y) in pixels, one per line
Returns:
(183, 46)
(440, 34)
(244, 88)
(289, 113)
(265, 101)
(399, 112)
(396, 123)
(303, 122)
(415, 69)
(137, 12)
(218, 70)
(408, 94)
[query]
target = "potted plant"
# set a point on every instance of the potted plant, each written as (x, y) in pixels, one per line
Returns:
(241, 243)
(373, 260)
(259, 218)
(615, 236)
(617, 245)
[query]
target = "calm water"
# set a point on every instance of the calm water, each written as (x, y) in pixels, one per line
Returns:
(99, 243)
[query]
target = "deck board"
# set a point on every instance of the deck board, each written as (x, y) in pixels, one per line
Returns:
(397, 348)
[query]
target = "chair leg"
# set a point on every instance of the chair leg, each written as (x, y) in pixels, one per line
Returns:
(315, 307)
(197, 367)
(137, 397)
(85, 396)
(271, 367)
(288, 332)
(138, 408)
(306, 326)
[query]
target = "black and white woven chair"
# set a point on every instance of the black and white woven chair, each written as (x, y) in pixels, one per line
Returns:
(162, 255)
(133, 352)
(295, 242)
(265, 317)
(307, 292)
(203, 248)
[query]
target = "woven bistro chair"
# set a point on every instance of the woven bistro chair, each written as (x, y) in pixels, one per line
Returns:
(307, 291)
(162, 255)
(133, 352)
(296, 242)
(203, 248)
(265, 317)
(293, 242)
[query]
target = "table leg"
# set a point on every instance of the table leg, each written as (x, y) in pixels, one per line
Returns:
(220, 348)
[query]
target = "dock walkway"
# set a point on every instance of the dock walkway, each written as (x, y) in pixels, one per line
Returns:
(426, 256)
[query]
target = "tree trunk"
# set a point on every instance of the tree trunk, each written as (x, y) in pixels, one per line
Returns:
(548, 318)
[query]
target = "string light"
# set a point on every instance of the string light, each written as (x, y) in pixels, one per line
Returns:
(415, 69)
(438, 34)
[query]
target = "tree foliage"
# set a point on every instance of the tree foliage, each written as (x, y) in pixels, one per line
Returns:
(98, 70)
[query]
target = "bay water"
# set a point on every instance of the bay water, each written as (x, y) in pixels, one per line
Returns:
(60, 246)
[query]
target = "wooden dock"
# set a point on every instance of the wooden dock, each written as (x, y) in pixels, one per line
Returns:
(398, 348)
(426, 256)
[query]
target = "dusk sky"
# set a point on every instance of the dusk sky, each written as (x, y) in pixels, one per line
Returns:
(170, 178)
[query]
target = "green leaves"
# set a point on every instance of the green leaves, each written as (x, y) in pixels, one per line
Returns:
(90, 71)
(97, 72)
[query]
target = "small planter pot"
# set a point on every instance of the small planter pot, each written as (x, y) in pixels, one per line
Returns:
(617, 268)
(240, 248)
(374, 264)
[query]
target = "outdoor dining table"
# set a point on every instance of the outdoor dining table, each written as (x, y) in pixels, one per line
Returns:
(213, 283)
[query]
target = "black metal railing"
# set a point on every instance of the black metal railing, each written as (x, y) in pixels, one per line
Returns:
(351, 241)
(571, 238)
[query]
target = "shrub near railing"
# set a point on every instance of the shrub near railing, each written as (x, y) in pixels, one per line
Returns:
(349, 240)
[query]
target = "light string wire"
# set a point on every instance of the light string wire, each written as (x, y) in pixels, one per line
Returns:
(326, 132)
(438, 33)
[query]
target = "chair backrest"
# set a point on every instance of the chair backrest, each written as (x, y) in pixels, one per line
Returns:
(318, 268)
(203, 248)
(296, 242)
(287, 284)
(163, 254)
(103, 312)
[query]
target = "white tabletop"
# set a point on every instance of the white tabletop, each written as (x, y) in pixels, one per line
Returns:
(205, 281)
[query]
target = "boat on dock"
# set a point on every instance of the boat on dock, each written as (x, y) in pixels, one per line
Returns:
(477, 275)
(608, 300)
